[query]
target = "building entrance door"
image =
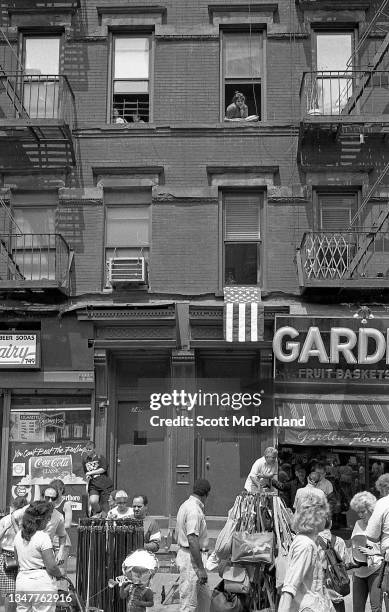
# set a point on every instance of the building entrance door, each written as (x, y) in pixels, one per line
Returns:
(141, 456)
(221, 464)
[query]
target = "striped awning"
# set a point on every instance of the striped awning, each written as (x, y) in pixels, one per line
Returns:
(367, 417)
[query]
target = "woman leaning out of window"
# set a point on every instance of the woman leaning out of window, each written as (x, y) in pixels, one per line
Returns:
(303, 588)
(38, 570)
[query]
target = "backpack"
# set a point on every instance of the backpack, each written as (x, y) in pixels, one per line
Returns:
(335, 577)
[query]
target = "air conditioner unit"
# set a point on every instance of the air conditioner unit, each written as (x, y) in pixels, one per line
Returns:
(123, 270)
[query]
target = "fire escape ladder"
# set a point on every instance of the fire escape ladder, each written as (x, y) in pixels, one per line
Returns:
(364, 245)
(377, 59)
(10, 79)
(6, 253)
(381, 12)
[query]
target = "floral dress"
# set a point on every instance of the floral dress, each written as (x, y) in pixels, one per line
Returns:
(304, 578)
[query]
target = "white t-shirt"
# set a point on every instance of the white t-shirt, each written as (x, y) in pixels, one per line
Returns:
(114, 514)
(30, 553)
(378, 525)
(260, 469)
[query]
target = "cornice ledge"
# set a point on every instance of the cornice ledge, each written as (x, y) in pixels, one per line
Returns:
(188, 196)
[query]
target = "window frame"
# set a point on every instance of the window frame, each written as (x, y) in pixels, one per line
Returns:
(22, 82)
(333, 29)
(262, 80)
(145, 250)
(321, 192)
(47, 249)
(223, 199)
(135, 33)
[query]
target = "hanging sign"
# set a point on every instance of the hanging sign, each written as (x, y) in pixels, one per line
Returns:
(19, 350)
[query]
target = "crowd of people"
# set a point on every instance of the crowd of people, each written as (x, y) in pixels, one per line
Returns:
(35, 543)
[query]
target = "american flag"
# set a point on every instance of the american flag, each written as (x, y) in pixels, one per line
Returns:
(243, 314)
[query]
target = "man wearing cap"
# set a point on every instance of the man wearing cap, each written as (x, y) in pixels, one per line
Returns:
(192, 538)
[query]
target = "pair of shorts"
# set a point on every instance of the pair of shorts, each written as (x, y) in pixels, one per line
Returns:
(100, 485)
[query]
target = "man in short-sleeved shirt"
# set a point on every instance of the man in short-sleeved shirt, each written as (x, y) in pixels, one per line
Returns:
(192, 538)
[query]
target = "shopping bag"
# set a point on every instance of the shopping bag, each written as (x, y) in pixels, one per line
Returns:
(236, 579)
(224, 602)
(223, 542)
(252, 547)
(281, 564)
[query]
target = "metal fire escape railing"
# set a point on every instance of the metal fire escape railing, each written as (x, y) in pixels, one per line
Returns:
(5, 252)
(381, 12)
(346, 254)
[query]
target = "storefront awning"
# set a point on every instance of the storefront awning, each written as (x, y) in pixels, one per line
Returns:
(335, 423)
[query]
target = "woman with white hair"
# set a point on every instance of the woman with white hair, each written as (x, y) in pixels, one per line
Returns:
(122, 508)
(263, 470)
(303, 589)
(366, 576)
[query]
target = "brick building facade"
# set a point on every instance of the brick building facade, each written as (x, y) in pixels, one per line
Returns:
(128, 203)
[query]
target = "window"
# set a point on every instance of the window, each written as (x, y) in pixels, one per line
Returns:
(241, 234)
(34, 251)
(333, 88)
(128, 236)
(242, 68)
(335, 211)
(334, 246)
(41, 86)
(131, 79)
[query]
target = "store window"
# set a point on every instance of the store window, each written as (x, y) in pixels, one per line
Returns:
(241, 239)
(47, 435)
(131, 79)
(242, 72)
(41, 86)
(334, 82)
(34, 244)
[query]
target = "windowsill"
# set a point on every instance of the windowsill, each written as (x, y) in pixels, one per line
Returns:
(226, 126)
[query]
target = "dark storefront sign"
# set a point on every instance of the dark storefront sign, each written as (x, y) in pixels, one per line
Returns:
(335, 423)
(331, 350)
(19, 350)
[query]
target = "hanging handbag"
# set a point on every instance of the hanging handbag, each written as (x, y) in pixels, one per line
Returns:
(11, 564)
(223, 542)
(252, 547)
(236, 579)
(224, 602)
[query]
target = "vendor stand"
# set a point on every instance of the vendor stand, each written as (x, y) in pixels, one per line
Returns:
(252, 551)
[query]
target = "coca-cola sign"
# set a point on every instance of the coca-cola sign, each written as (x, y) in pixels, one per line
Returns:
(19, 350)
(58, 466)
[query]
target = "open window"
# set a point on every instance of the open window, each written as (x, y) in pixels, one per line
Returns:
(34, 249)
(131, 79)
(242, 70)
(41, 85)
(334, 80)
(241, 240)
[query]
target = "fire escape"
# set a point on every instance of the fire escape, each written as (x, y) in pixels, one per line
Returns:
(37, 111)
(349, 111)
(32, 262)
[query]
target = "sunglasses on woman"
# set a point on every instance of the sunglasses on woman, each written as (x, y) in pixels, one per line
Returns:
(50, 498)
